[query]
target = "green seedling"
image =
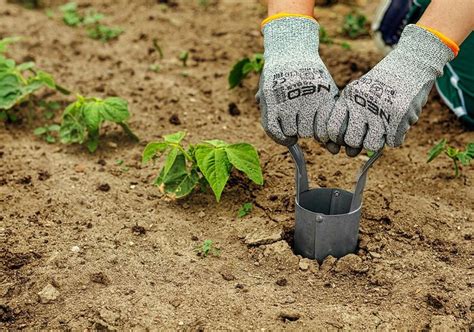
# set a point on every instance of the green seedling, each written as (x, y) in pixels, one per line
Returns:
(355, 25)
(208, 163)
(245, 209)
(207, 248)
(19, 81)
(183, 57)
(243, 68)
(47, 132)
(70, 14)
(457, 156)
(346, 46)
(81, 120)
(154, 67)
(92, 17)
(104, 33)
(157, 47)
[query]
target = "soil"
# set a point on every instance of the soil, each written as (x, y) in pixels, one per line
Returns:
(88, 242)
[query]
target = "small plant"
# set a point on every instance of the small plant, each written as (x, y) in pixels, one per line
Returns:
(244, 210)
(19, 81)
(157, 47)
(47, 132)
(456, 155)
(154, 67)
(183, 57)
(207, 248)
(50, 107)
(104, 33)
(91, 19)
(243, 67)
(81, 120)
(355, 25)
(208, 163)
(70, 14)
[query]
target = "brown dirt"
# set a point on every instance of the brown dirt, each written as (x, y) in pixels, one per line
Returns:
(122, 256)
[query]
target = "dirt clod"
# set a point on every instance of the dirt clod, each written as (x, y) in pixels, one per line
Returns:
(233, 109)
(328, 264)
(260, 237)
(174, 119)
(288, 316)
(227, 276)
(43, 175)
(104, 187)
(282, 282)
(100, 278)
(138, 230)
(350, 264)
(434, 301)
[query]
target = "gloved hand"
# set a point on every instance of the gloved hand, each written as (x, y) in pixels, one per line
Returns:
(296, 92)
(381, 106)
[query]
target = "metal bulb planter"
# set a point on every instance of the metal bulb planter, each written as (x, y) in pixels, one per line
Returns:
(327, 219)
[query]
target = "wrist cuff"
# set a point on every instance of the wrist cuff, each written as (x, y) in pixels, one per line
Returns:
(446, 40)
(282, 15)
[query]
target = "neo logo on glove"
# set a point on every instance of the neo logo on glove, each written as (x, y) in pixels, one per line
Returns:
(372, 107)
(281, 96)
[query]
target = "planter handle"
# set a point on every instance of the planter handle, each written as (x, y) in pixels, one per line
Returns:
(302, 183)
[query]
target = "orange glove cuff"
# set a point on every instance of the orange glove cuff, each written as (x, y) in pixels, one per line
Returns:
(446, 40)
(282, 15)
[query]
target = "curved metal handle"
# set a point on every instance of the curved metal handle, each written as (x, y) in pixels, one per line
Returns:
(361, 180)
(301, 175)
(302, 183)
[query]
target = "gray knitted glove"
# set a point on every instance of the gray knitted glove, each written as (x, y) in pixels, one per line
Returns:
(379, 108)
(296, 93)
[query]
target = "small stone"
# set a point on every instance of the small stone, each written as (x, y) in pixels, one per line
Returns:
(75, 249)
(201, 214)
(181, 323)
(304, 264)
(328, 264)
(80, 168)
(113, 145)
(48, 294)
(261, 237)
(282, 282)
(109, 316)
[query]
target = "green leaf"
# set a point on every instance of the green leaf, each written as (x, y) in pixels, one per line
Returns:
(92, 113)
(152, 149)
(187, 185)
(6, 41)
(245, 209)
(40, 131)
(10, 90)
(436, 150)
(50, 139)
(92, 17)
(245, 158)
(171, 182)
(115, 109)
(54, 127)
(68, 7)
(215, 167)
(464, 158)
(217, 143)
(93, 140)
(175, 138)
(236, 75)
(25, 66)
(170, 160)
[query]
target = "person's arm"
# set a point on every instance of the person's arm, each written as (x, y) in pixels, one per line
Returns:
(303, 7)
(453, 18)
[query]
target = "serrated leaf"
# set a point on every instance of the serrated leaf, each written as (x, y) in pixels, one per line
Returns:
(115, 109)
(175, 138)
(215, 167)
(245, 158)
(236, 75)
(152, 149)
(436, 150)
